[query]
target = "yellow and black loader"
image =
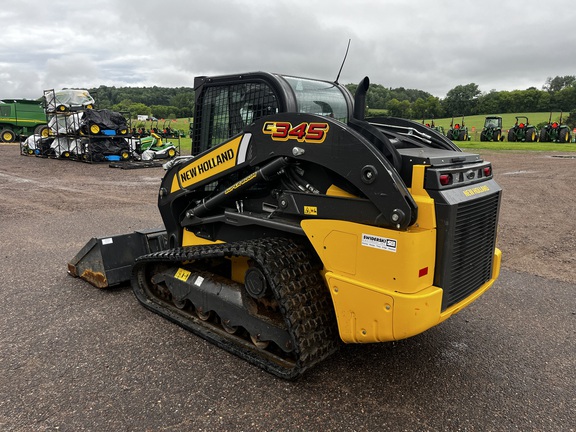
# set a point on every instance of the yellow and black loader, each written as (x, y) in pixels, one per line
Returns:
(297, 223)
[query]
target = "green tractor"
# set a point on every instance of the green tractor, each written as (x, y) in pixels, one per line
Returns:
(522, 131)
(555, 131)
(439, 129)
(458, 132)
(492, 130)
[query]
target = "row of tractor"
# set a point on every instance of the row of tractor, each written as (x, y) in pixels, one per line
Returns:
(75, 130)
(522, 131)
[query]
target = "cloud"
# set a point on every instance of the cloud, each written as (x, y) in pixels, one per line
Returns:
(432, 46)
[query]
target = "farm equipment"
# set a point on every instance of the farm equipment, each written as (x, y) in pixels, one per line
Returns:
(458, 132)
(67, 100)
(492, 130)
(297, 223)
(169, 132)
(522, 131)
(21, 118)
(37, 145)
(152, 147)
(103, 122)
(555, 131)
(439, 129)
(104, 149)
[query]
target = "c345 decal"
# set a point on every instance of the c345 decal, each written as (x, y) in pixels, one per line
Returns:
(314, 133)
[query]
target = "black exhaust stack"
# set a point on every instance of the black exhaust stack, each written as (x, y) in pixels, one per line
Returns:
(360, 99)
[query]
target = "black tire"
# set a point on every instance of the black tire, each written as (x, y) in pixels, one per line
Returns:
(483, 136)
(544, 135)
(530, 135)
(42, 130)
(463, 135)
(511, 136)
(564, 135)
(497, 136)
(7, 136)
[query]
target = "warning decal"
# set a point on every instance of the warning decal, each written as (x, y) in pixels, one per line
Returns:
(379, 242)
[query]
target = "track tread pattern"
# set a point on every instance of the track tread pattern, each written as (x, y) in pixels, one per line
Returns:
(293, 274)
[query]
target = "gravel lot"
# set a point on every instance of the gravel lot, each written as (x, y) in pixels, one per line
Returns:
(75, 358)
(537, 230)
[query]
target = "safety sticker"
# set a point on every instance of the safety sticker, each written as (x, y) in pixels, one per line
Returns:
(199, 281)
(182, 274)
(311, 210)
(377, 242)
(107, 241)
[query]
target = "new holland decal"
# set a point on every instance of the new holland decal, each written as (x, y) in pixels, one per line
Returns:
(313, 133)
(476, 190)
(220, 159)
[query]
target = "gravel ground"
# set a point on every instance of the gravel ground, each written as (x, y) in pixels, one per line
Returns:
(75, 358)
(537, 229)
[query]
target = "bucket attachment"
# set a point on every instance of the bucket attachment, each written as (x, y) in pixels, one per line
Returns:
(108, 261)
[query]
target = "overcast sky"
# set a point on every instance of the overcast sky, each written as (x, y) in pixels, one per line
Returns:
(422, 44)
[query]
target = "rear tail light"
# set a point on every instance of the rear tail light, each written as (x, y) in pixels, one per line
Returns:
(445, 179)
(487, 171)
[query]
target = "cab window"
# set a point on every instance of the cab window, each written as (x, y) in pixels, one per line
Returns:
(319, 97)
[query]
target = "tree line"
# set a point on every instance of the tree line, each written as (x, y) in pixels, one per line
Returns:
(160, 102)
(557, 94)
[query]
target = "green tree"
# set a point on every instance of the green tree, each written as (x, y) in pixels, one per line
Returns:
(558, 83)
(462, 99)
(377, 96)
(184, 101)
(571, 119)
(419, 109)
(544, 102)
(398, 108)
(564, 99)
(489, 103)
(433, 107)
(134, 108)
(164, 111)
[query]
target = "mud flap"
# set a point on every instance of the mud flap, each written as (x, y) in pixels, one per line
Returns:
(108, 261)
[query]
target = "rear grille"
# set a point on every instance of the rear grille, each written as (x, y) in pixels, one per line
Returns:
(466, 247)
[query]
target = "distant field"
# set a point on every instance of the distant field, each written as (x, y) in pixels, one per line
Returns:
(474, 123)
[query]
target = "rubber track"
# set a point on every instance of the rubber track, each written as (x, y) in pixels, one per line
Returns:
(293, 275)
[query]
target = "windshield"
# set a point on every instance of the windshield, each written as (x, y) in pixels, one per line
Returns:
(319, 97)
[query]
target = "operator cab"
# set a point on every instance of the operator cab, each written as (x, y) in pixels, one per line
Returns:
(225, 105)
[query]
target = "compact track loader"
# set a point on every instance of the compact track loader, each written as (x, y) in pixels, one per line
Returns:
(296, 223)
